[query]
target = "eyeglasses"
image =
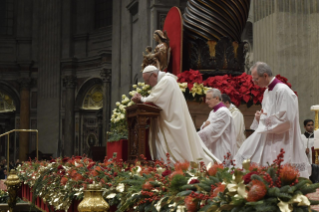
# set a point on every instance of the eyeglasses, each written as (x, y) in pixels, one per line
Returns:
(255, 79)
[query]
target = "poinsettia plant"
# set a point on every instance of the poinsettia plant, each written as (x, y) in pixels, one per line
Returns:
(183, 186)
(240, 89)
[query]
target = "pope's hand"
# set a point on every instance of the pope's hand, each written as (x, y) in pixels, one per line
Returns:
(206, 124)
(137, 98)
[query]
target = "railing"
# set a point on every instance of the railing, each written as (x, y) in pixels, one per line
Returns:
(18, 130)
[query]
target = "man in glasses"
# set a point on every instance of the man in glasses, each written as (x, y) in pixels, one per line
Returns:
(276, 125)
(173, 131)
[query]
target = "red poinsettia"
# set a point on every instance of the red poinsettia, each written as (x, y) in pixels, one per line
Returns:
(190, 77)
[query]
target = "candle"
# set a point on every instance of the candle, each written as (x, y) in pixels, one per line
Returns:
(314, 107)
(316, 139)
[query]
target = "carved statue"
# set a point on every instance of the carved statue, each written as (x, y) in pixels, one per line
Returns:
(161, 54)
(249, 59)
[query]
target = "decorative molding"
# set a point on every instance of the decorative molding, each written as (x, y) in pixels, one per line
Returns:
(69, 81)
(106, 75)
(161, 19)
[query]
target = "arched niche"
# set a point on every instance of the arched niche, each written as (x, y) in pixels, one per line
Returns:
(88, 116)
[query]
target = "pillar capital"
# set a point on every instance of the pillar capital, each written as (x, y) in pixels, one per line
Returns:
(69, 81)
(106, 75)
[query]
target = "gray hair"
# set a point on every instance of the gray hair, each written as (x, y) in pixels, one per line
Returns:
(215, 93)
(262, 68)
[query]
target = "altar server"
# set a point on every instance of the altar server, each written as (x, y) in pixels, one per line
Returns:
(218, 132)
(276, 125)
(238, 120)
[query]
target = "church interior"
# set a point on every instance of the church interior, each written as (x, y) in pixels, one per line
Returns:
(69, 73)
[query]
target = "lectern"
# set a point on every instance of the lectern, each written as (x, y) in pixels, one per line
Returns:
(139, 117)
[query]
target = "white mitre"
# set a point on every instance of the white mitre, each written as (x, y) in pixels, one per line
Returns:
(150, 68)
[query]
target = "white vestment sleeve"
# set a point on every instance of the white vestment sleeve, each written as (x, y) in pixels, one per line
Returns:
(216, 128)
(283, 116)
(239, 127)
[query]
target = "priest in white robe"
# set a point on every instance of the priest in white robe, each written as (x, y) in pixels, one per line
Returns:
(276, 125)
(238, 120)
(218, 132)
(173, 131)
(308, 139)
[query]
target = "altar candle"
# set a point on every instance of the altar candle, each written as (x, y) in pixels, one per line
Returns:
(316, 137)
(314, 107)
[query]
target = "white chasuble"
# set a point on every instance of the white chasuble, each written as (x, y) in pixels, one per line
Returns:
(220, 135)
(174, 131)
(239, 124)
(277, 129)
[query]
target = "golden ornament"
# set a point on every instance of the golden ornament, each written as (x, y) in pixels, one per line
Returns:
(93, 200)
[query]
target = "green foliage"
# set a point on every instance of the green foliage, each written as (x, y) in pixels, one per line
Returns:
(310, 188)
(314, 202)
(284, 196)
(189, 187)
(224, 175)
(257, 177)
(205, 187)
(184, 193)
(273, 192)
(177, 182)
(285, 188)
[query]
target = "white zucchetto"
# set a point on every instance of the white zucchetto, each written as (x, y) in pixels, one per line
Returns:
(149, 68)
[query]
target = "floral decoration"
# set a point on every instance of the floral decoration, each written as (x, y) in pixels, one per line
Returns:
(156, 186)
(240, 89)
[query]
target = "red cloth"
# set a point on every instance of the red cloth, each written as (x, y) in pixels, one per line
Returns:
(174, 27)
(313, 154)
(120, 147)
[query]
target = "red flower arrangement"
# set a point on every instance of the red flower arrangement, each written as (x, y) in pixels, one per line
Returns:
(190, 77)
(239, 88)
(247, 177)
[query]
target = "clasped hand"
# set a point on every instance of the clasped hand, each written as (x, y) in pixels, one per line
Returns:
(258, 114)
(137, 98)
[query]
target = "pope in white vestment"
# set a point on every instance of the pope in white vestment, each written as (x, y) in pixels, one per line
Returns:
(238, 120)
(218, 132)
(276, 125)
(173, 131)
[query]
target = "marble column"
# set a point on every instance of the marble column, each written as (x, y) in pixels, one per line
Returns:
(106, 75)
(68, 144)
(24, 118)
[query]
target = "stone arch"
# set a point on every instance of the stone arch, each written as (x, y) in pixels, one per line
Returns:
(84, 89)
(12, 92)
